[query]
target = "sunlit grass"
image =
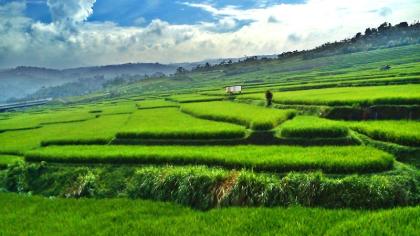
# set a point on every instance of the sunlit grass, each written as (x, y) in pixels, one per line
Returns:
(254, 117)
(41, 216)
(170, 123)
(391, 94)
(270, 158)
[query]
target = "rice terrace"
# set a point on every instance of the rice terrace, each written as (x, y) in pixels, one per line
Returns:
(310, 139)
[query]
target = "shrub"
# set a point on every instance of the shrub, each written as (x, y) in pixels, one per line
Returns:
(205, 188)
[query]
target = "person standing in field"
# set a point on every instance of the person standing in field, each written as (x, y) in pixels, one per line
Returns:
(269, 97)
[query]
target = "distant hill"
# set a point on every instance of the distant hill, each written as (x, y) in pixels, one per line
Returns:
(22, 81)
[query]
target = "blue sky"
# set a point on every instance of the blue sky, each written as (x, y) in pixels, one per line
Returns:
(133, 12)
(71, 33)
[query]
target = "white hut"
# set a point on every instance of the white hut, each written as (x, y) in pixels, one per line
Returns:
(233, 89)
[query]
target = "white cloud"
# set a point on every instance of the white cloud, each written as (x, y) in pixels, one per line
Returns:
(71, 41)
(70, 11)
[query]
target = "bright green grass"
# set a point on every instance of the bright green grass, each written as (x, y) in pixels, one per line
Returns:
(254, 117)
(156, 103)
(392, 94)
(392, 222)
(170, 123)
(25, 121)
(9, 159)
(96, 130)
(24, 215)
(19, 121)
(117, 108)
(402, 132)
(70, 115)
(269, 158)
(312, 127)
(186, 98)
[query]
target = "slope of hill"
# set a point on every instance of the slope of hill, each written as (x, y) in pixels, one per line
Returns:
(22, 81)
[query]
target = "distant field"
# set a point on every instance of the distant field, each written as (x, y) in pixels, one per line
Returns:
(41, 216)
(186, 98)
(25, 121)
(254, 117)
(114, 108)
(156, 103)
(392, 94)
(269, 158)
(170, 123)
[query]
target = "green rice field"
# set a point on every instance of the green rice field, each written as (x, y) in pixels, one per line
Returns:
(312, 127)
(170, 123)
(98, 130)
(267, 158)
(393, 94)
(402, 132)
(256, 118)
(157, 103)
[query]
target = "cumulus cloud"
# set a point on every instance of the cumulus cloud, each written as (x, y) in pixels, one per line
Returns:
(70, 11)
(70, 40)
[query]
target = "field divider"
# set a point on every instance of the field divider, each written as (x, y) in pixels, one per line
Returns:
(20, 129)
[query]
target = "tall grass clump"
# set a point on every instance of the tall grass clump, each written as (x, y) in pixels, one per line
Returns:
(188, 186)
(254, 117)
(170, 123)
(206, 188)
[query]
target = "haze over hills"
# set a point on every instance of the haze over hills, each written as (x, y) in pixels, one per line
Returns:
(22, 81)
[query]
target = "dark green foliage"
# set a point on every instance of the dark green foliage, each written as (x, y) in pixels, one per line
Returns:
(269, 97)
(189, 186)
(205, 188)
(344, 113)
(340, 141)
(381, 112)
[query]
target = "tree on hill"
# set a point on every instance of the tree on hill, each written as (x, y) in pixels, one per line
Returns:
(180, 70)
